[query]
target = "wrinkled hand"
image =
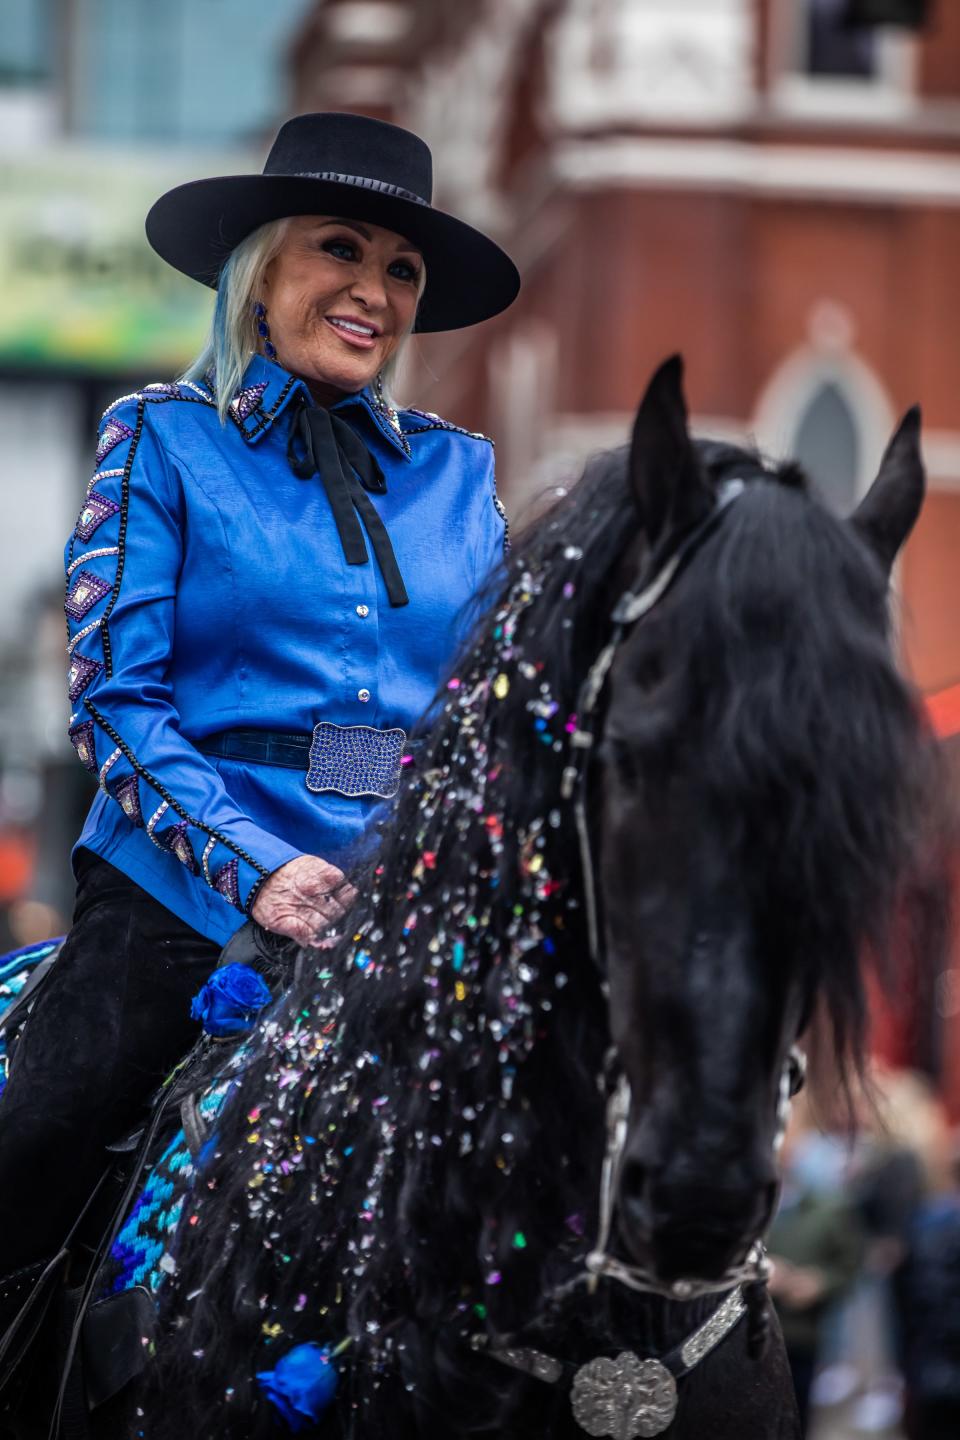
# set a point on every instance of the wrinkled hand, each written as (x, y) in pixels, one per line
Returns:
(303, 899)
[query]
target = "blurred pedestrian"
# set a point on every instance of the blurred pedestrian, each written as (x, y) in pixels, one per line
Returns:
(816, 1245)
(928, 1291)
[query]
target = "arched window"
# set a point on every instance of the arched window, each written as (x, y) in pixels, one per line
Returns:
(827, 445)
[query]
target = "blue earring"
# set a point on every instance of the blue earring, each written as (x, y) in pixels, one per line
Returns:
(263, 329)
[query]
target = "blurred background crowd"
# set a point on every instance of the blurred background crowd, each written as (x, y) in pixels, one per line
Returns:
(770, 186)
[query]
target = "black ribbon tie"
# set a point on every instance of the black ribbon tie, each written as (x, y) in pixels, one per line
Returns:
(323, 444)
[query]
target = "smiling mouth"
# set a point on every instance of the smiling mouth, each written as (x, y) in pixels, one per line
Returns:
(354, 332)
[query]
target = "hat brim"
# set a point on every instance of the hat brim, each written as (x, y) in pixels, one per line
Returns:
(196, 226)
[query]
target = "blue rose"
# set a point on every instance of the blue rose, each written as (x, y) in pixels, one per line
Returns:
(301, 1386)
(230, 1001)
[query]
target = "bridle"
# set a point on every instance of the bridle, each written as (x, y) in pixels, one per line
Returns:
(647, 1387)
(631, 607)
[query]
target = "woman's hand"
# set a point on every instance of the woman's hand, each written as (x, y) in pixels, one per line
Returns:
(302, 899)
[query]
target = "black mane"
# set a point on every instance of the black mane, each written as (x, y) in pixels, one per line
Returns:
(413, 1150)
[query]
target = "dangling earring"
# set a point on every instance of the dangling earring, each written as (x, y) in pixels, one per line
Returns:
(263, 329)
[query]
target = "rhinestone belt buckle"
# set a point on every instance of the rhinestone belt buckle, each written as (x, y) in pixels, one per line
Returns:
(355, 760)
(624, 1398)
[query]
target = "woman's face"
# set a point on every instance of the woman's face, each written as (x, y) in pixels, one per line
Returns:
(340, 296)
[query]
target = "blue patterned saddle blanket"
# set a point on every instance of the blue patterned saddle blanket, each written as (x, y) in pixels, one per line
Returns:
(16, 969)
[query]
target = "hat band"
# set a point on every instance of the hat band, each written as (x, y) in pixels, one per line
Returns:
(363, 182)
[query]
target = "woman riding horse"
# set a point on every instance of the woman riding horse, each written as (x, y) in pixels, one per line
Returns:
(242, 670)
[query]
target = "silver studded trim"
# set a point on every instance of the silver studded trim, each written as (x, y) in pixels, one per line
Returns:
(208, 850)
(154, 821)
(87, 630)
(92, 555)
(532, 1362)
(624, 1398)
(627, 1398)
(713, 1330)
(198, 390)
(106, 767)
(102, 475)
(501, 511)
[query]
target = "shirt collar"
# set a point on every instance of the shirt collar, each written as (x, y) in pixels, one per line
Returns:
(267, 389)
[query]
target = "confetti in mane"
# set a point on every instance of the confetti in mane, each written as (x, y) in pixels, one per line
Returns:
(411, 1041)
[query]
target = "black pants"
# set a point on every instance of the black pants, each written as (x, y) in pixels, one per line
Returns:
(109, 1023)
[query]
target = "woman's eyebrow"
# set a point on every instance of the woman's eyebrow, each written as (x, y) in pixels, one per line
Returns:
(367, 235)
(349, 225)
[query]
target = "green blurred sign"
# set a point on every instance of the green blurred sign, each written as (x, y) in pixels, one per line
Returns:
(81, 287)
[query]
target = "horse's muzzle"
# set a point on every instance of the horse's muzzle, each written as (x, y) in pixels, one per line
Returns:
(694, 1229)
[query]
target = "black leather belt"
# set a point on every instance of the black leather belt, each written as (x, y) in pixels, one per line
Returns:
(349, 760)
(264, 747)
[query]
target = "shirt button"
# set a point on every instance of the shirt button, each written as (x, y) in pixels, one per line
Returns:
(363, 695)
(363, 611)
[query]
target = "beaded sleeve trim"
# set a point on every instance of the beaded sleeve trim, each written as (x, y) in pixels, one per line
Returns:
(177, 841)
(81, 634)
(122, 534)
(96, 509)
(85, 592)
(225, 882)
(81, 738)
(92, 555)
(82, 670)
(208, 850)
(102, 475)
(106, 767)
(155, 819)
(127, 796)
(164, 794)
(112, 435)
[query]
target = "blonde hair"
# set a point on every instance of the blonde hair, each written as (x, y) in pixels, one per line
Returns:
(234, 336)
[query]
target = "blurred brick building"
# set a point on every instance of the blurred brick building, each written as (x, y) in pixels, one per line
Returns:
(752, 182)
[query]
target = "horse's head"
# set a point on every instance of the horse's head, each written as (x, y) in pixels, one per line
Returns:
(758, 767)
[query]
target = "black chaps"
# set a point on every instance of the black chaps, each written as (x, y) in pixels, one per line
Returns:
(109, 1023)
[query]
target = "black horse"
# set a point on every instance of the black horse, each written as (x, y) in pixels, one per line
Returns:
(411, 1165)
(512, 1140)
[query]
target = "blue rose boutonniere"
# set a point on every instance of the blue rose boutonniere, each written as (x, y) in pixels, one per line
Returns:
(230, 1001)
(301, 1385)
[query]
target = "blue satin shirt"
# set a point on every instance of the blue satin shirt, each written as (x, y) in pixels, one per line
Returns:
(207, 591)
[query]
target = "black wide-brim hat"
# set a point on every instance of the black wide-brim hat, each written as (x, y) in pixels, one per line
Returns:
(355, 168)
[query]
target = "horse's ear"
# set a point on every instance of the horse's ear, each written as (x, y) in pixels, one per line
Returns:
(667, 480)
(889, 510)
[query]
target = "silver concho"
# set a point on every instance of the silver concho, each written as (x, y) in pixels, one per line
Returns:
(624, 1398)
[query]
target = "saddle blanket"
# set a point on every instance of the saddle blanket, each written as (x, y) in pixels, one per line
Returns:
(15, 971)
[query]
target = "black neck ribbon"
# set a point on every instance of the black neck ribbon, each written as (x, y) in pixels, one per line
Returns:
(323, 444)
